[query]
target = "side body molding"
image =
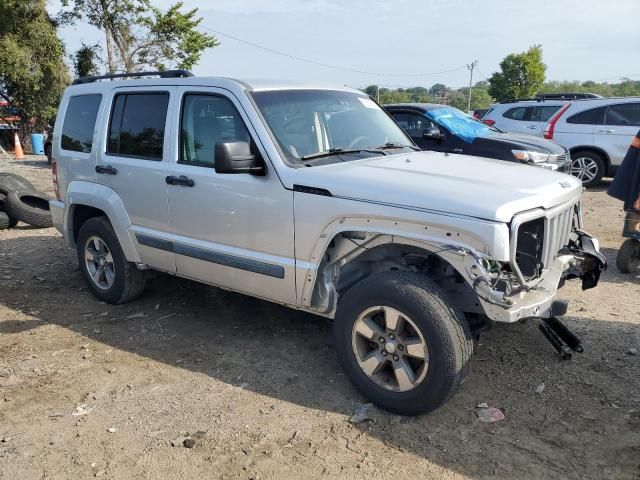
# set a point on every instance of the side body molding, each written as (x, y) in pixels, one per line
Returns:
(103, 198)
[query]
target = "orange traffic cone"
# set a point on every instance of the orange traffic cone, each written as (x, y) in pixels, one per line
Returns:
(17, 147)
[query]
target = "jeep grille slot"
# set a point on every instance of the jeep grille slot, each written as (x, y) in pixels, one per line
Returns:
(530, 247)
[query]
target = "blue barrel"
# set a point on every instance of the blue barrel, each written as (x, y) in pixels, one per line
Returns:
(37, 143)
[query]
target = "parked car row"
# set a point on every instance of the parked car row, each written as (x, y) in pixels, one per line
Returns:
(313, 197)
(596, 131)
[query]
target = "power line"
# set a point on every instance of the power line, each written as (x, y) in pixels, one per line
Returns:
(326, 65)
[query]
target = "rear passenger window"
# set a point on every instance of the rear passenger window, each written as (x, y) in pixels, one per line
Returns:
(593, 116)
(207, 120)
(517, 113)
(623, 114)
(543, 114)
(79, 122)
(137, 125)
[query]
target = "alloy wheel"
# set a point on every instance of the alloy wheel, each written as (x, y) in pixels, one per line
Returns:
(390, 349)
(584, 168)
(99, 263)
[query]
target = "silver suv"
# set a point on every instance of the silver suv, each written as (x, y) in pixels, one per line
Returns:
(522, 116)
(597, 132)
(314, 198)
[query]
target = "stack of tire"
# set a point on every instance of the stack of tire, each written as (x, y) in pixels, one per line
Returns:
(20, 202)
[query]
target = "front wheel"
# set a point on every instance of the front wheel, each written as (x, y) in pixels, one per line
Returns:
(111, 278)
(628, 259)
(401, 343)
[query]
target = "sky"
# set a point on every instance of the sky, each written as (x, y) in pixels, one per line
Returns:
(409, 42)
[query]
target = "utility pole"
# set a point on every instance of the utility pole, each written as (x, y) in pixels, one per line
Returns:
(470, 67)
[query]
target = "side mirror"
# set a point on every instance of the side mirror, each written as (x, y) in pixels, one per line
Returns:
(236, 157)
(432, 133)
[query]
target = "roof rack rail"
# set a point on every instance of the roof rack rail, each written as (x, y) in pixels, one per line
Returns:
(516, 100)
(568, 95)
(161, 74)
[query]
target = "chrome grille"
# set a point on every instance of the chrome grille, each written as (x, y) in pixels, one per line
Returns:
(557, 231)
(558, 224)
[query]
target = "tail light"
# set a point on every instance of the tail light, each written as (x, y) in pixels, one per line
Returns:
(54, 172)
(491, 123)
(548, 129)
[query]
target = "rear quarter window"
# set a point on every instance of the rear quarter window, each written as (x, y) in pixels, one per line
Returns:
(517, 113)
(79, 123)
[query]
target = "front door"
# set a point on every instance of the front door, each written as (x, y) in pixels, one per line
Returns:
(134, 164)
(231, 230)
(415, 125)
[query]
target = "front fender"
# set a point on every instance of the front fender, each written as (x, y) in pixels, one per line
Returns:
(81, 193)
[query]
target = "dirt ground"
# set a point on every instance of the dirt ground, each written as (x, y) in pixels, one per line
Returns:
(88, 389)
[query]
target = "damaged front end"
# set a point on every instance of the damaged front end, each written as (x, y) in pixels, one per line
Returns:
(547, 247)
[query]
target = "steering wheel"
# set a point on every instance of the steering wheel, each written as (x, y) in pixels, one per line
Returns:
(362, 139)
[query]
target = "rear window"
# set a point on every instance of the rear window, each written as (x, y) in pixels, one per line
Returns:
(79, 122)
(593, 116)
(137, 125)
(517, 113)
(624, 114)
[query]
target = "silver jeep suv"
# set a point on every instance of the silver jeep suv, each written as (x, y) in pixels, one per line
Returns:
(313, 197)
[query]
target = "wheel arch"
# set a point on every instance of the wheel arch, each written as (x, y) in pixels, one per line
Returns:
(87, 200)
(352, 256)
(594, 149)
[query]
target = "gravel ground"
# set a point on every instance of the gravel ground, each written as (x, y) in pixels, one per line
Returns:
(92, 390)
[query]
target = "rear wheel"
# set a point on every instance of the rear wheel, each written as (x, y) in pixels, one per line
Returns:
(628, 259)
(111, 278)
(587, 166)
(401, 343)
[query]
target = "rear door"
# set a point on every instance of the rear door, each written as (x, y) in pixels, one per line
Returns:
(538, 118)
(621, 123)
(134, 165)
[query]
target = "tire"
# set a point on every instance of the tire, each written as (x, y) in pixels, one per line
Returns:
(588, 166)
(628, 259)
(48, 152)
(11, 181)
(440, 326)
(30, 207)
(127, 281)
(11, 222)
(5, 221)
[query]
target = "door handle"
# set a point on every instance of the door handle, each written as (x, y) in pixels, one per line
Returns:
(108, 169)
(181, 180)
(457, 150)
(606, 131)
(531, 127)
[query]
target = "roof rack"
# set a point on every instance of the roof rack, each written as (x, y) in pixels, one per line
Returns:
(161, 74)
(568, 95)
(516, 100)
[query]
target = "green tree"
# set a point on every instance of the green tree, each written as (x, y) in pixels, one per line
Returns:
(140, 36)
(521, 75)
(32, 73)
(86, 59)
(438, 89)
(480, 98)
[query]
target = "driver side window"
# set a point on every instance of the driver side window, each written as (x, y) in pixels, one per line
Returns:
(414, 124)
(207, 120)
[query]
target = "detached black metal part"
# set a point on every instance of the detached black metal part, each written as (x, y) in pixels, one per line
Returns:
(561, 338)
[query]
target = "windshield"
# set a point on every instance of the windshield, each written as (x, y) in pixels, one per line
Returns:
(459, 123)
(308, 123)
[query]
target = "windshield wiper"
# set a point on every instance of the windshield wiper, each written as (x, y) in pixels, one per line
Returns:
(341, 151)
(393, 145)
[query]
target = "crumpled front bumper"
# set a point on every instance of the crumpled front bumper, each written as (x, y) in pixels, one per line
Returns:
(581, 259)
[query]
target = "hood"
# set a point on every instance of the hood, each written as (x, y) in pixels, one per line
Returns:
(520, 141)
(458, 184)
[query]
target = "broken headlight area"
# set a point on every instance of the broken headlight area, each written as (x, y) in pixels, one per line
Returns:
(588, 262)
